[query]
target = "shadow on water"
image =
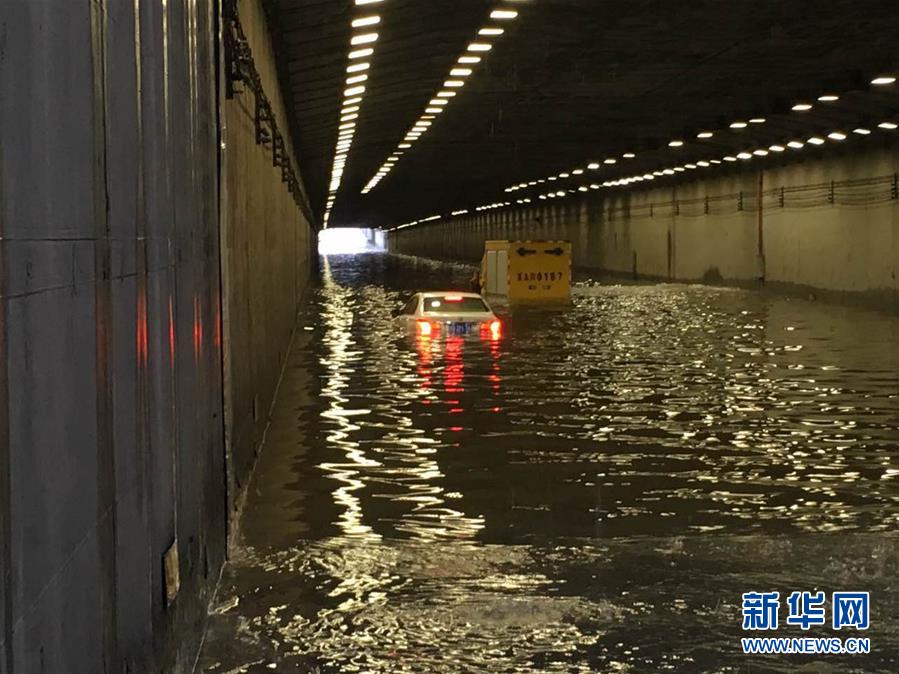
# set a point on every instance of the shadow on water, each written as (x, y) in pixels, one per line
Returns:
(592, 492)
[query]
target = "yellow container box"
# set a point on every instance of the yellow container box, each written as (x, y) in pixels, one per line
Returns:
(527, 270)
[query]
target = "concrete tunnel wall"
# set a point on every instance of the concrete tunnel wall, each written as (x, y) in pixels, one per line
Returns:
(111, 324)
(268, 250)
(829, 223)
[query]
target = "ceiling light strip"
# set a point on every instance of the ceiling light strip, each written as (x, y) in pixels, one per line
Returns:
(364, 36)
(746, 155)
(462, 69)
(879, 82)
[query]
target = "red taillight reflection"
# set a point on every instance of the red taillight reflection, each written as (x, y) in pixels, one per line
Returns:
(425, 328)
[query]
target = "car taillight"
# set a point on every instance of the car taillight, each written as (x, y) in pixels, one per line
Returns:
(496, 329)
(425, 328)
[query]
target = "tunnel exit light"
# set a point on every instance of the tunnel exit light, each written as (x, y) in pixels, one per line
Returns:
(350, 241)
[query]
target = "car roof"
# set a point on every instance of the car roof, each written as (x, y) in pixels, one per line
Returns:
(441, 293)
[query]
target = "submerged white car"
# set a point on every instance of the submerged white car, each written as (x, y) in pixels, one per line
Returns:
(450, 313)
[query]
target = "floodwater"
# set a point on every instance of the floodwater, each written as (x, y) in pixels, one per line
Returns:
(592, 492)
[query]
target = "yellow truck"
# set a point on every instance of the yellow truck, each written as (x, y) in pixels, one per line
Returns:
(527, 270)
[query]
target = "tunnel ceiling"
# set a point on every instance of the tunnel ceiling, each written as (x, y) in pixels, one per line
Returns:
(570, 81)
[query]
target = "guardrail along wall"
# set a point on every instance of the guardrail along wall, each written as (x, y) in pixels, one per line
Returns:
(830, 223)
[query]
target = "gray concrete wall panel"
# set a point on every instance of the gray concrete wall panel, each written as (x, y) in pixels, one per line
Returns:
(829, 224)
(111, 422)
(268, 246)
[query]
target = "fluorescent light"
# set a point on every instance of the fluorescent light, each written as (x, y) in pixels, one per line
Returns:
(366, 21)
(629, 155)
(491, 31)
(438, 101)
(703, 164)
(503, 14)
(880, 81)
(365, 38)
(564, 175)
(757, 120)
(358, 67)
(837, 135)
(828, 98)
(609, 161)
(862, 132)
(354, 91)
(469, 59)
(815, 140)
(368, 2)
(796, 144)
(479, 46)
(593, 166)
(676, 143)
(351, 108)
(454, 83)
(434, 111)
(704, 134)
(889, 126)
(729, 158)
(404, 146)
(460, 72)
(577, 172)
(760, 153)
(356, 79)
(446, 94)
(802, 107)
(361, 53)
(738, 125)
(777, 148)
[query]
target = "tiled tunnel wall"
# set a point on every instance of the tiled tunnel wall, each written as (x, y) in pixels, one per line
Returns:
(112, 421)
(830, 224)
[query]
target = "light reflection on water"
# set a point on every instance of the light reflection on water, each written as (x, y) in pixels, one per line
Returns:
(592, 492)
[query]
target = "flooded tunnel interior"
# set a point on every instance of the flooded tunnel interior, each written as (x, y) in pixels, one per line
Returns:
(591, 492)
(449, 336)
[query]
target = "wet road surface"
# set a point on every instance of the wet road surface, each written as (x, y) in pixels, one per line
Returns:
(593, 492)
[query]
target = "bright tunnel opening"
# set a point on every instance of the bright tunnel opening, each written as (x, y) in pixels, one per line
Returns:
(350, 241)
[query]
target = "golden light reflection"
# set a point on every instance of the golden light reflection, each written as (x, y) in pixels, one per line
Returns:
(337, 315)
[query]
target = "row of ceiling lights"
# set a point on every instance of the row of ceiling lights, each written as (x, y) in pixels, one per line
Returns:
(462, 69)
(796, 144)
(741, 156)
(701, 135)
(359, 62)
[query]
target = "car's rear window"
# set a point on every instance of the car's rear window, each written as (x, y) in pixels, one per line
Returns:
(450, 304)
